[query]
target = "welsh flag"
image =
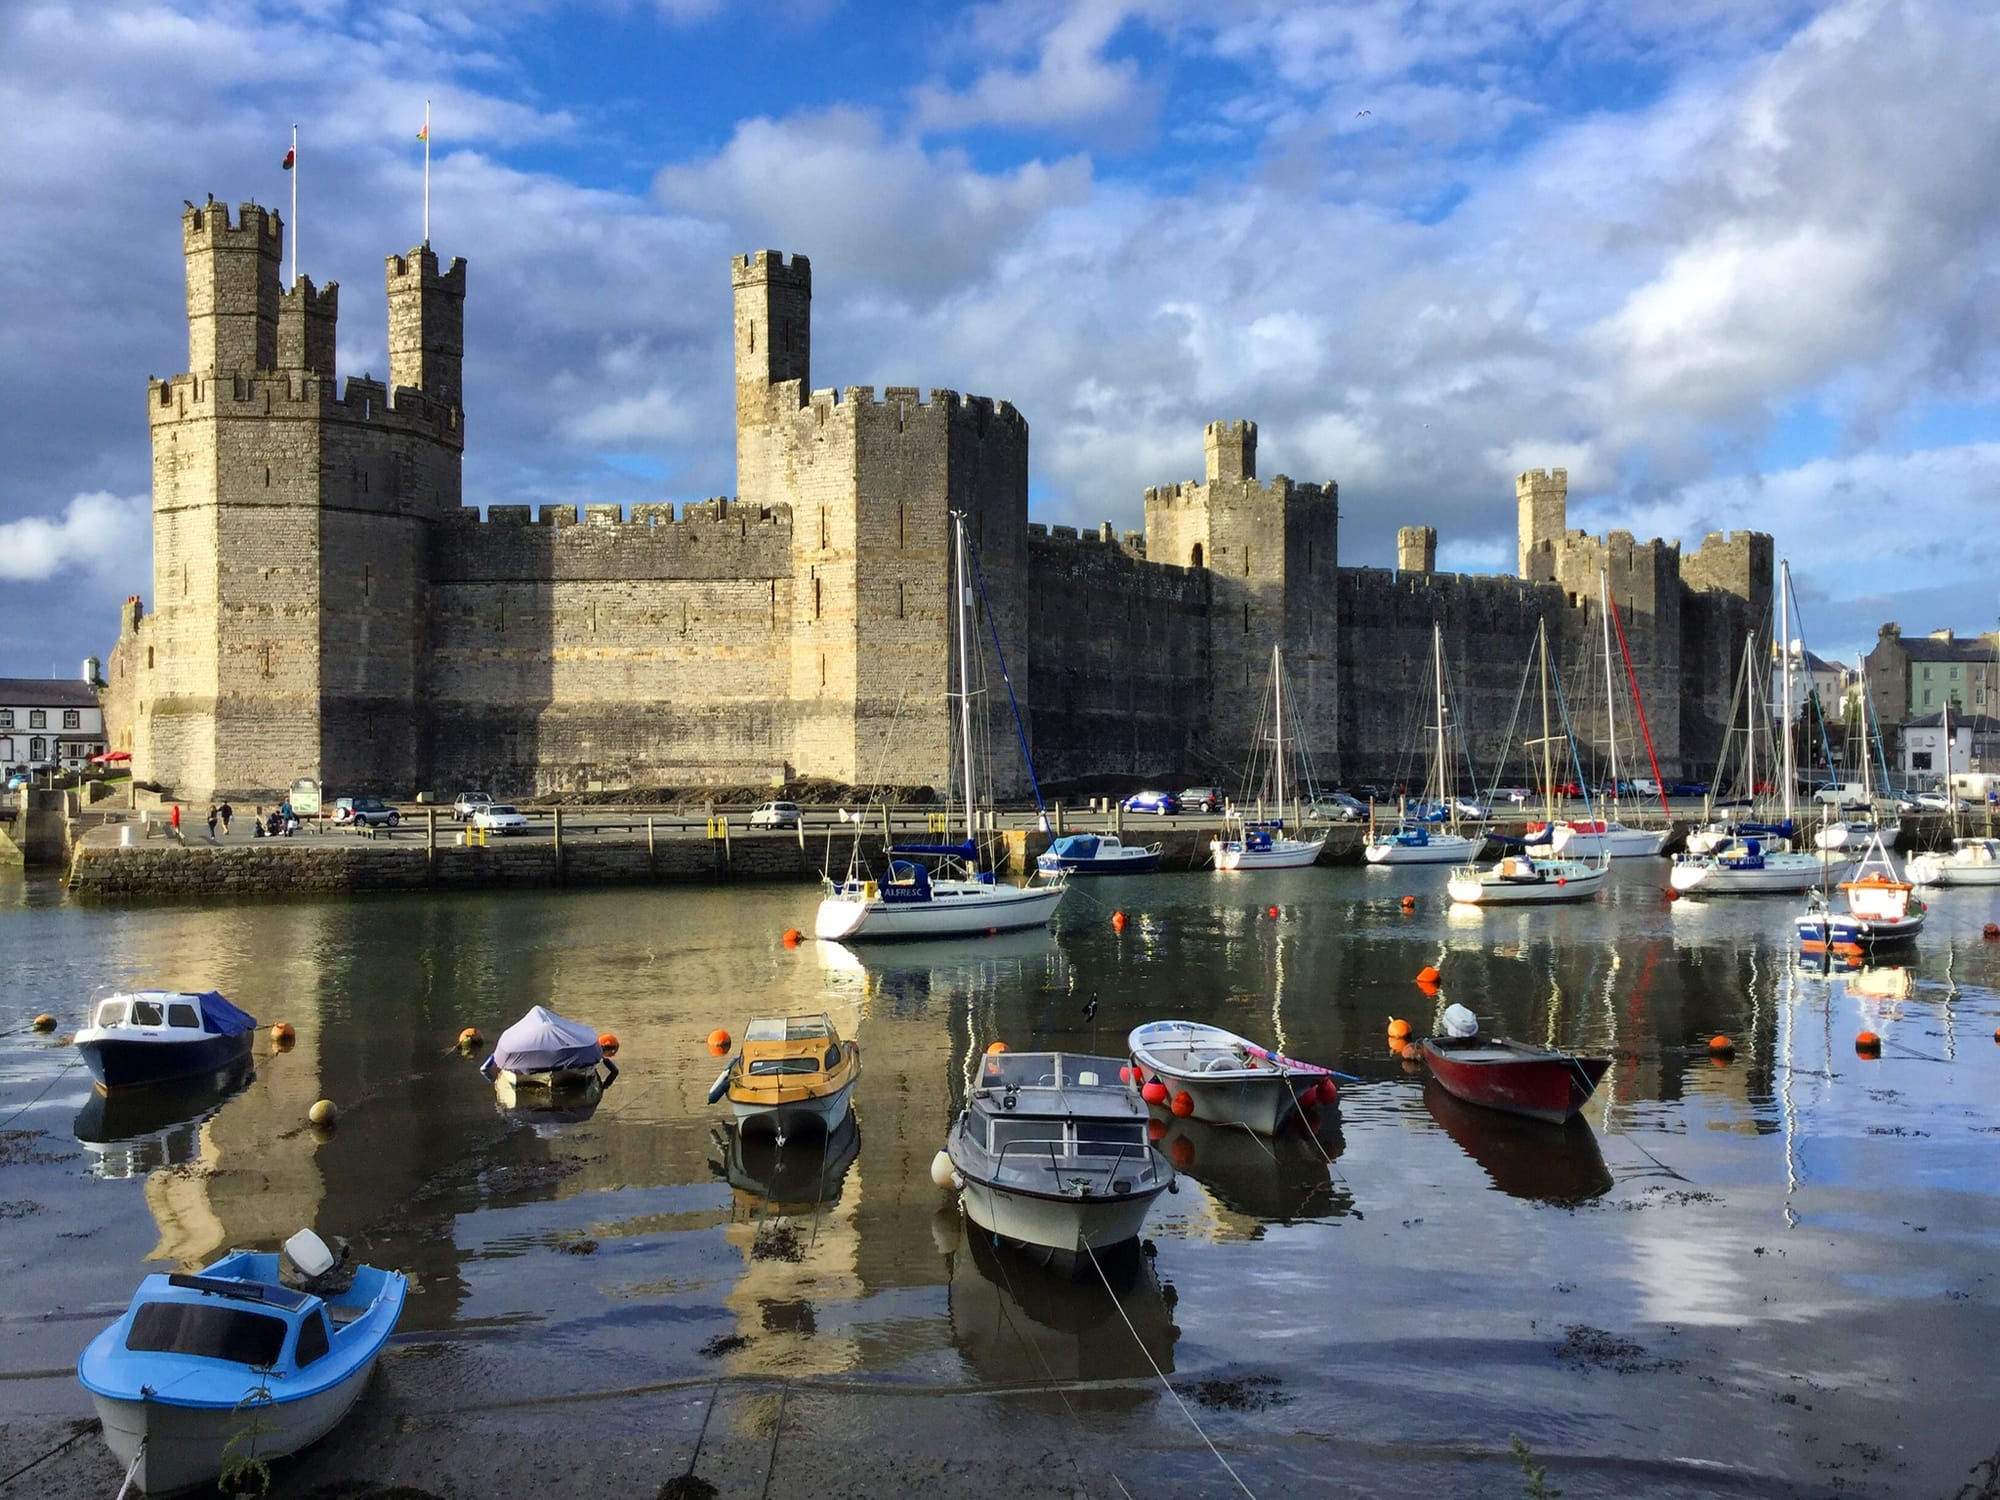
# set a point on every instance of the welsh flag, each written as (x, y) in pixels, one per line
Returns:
(424, 134)
(291, 160)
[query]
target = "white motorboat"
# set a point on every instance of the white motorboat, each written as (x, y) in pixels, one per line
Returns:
(1527, 880)
(235, 1362)
(1967, 862)
(957, 899)
(160, 1036)
(1266, 845)
(1856, 834)
(1051, 1152)
(791, 1072)
(1097, 854)
(1228, 1080)
(1591, 838)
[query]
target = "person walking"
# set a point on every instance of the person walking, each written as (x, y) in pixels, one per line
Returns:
(174, 822)
(211, 822)
(225, 812)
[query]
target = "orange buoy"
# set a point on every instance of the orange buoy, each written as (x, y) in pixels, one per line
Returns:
(1183, 1104)
(1155, 1128)
(1428, 975)
(791, 937)
(1991, 932)
(993, 1047)
(1398, 1028)
(1721, 1046)
(282, 1035)
(45, 1022)
(1154, 1092)
(1411, 1052)
(1118, 921)
(1324, 1092)
(1125, 1073)
(1272, 911)
(1996, 1033)
(718, 1042)
(608, 1044)
(1868, 1044)
(470, 1038)
(1409, 903)
(1181, 1152)
(1672, 894)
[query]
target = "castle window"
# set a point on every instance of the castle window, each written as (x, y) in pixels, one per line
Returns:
(822, 529)
(265, 660)
(149, 658)
(1246, 562)
(1194, 560)
(774, 604)
(753, 338)
(822, 671)
(899, 600)
(72, 719)
(267, 476)
(902, 517)
(1246, 617)
(816, 605)
(367, 580)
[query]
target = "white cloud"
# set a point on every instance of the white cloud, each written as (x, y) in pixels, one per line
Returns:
(1070, 80)
(98, 534)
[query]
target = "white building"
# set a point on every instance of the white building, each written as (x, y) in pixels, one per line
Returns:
(1975, 745)
(49, 722)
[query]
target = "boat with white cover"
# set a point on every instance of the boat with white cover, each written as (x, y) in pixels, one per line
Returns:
(544, 1055)
(255, 1357)
(1228, 1079)
(1051, 1152)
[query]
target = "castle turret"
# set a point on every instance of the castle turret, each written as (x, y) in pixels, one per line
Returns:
(427, 326)
(1232, 450)
(1417, 549)
(773, 300)
(306, 321)
(1543, 499)
(232, 289)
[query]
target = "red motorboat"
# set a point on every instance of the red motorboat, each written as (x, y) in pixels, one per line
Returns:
(1522, 1079)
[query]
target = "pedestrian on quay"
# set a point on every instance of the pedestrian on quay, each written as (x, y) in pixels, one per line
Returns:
(225, 812)
(174, 822)
(211, 822)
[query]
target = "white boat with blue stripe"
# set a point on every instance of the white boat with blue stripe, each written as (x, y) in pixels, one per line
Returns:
(1097, 854)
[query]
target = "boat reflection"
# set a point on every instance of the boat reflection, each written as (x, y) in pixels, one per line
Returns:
(1525, 1158)
(132, 1131)
(804, 1174)
(1258, 1180)
(546, 1108)
(905, 975)
(1013, 1319)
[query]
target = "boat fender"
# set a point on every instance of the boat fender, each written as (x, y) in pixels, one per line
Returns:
(721, 1086)
(941, 1170)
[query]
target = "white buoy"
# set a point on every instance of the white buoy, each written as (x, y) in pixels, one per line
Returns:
(941, 1172)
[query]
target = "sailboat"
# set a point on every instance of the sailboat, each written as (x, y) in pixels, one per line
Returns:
(1869, 828)
(1969, 861)
(1411, 841)
(912, 901)
(1591, 837)
(1746, 864)
(1524, 879)
(1266, 845)
(1720, 828)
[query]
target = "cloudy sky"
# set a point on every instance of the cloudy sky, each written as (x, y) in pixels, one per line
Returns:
(1734, 263)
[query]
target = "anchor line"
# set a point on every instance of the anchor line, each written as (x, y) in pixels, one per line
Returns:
(1092, 1253)
(1056, 1384)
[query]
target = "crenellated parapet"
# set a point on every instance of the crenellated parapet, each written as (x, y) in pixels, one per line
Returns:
(283, 395)
(713, 539)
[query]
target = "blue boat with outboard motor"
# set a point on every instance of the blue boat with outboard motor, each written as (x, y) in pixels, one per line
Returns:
(155, 1036)
(256, 1357)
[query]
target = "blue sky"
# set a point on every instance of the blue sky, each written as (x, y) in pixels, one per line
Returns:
(1734, 264)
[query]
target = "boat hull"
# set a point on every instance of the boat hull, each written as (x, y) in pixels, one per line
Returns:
(1284, 854)
(821, 1113)
(1579, 883)
(1778, 874)
(1440, 849)
(1823, 930)
(1968, 866)
(1224, 1087)
(1056, 1228)
(186, 1446)
(1535, 1082)
(1135, 862)
(117, 1062)
(956, 908)
(1615, 842)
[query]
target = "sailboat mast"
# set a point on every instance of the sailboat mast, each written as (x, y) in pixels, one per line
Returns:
(1443, 764)
(1610, 700)
(1548, 767)
(1278, 702)
(1785, 697)
(964, 673)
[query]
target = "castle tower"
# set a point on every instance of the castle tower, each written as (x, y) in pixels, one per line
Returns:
(306, 319)
(232, 289)
(1417, 549)
(1542, 496)
(1231, 450)
(427, 326)
(773, 332)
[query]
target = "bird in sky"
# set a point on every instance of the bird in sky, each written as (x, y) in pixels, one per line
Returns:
(1360, 112)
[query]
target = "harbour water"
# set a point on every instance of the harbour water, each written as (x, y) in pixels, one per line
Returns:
(1773, 1274)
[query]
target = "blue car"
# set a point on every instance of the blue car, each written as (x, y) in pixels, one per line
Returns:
(1162, 803)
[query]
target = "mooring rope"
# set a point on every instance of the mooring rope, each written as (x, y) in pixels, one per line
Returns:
(62, 1073)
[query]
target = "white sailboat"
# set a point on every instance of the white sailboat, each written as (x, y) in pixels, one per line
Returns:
(1857, 833)
(1412, 841)
(1266, 845)
(913, 901)
(1745, 865)
(1607, 836)
(1969, 861)
(1524, 879)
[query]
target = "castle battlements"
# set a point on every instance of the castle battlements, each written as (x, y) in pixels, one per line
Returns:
(908, 402)
(282, 394)
(255, 227)
(645, 516)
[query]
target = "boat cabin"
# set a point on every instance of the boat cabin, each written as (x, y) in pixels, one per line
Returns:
(258, 1324)
(788, 1046)
(148, 1012)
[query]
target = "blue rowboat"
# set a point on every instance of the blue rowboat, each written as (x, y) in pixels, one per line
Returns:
(155, 1036)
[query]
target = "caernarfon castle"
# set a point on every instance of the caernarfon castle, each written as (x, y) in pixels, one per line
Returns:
(325, 604)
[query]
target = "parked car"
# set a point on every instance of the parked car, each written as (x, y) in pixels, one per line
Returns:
(1339, 807)
(353, 812)
(1519, 796)
(1467, 808)
(1152, 802)
(498, 817)
(1942, 802)
(1206, 799)
(777, 815)
(465, 804)
(1695, 789)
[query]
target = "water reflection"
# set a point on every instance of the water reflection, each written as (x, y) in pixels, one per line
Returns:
(804, 1175)
(1015, 1320)
(1254, 1180)
(131, 1132)
(1524, 1158)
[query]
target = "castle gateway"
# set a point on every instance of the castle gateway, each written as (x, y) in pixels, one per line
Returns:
(325, 605)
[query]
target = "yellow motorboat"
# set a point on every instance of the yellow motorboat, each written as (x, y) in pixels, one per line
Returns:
(790, 1072)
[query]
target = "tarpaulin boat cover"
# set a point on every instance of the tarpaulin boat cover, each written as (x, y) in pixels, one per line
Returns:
(541, 1040)
(222, 1018)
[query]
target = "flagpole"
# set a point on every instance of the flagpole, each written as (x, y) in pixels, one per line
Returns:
(295, 205)
(427, 174)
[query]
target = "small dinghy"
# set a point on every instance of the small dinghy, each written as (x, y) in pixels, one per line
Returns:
(1228, 1080)
(543, 1056)
(254, 1358)
(792, 1073)
(157, 1036)
(1542, 1083)
(1051, 1153)
(1097, 854)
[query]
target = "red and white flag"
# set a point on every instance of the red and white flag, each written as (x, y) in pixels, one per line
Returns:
(291, 159)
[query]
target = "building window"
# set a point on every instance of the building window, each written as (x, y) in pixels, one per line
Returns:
(1927, 697)
(38, 748)
(6, 718)
(7, 751)
(72, 719)
(38, 719)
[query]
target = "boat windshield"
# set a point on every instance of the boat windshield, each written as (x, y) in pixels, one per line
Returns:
(207, 1330)
(111, 1012)
(766, 1066)
(148, 1013)
(787, 1028)
(1017, 1070)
